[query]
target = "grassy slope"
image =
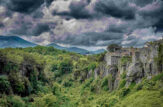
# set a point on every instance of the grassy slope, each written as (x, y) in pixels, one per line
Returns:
(151, 95)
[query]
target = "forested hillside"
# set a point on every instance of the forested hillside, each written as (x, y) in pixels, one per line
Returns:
(47, 77)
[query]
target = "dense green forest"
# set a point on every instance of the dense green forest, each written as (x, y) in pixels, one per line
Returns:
(47, 77)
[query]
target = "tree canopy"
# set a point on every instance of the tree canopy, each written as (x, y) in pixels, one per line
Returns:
(113, 47)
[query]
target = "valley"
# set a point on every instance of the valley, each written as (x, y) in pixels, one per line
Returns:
(47, 77)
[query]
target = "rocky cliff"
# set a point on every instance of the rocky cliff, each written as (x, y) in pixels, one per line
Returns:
(142, 63)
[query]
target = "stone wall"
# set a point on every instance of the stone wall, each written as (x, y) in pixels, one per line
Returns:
(112, 59)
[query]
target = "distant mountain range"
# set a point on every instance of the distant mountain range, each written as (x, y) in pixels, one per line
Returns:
(14, 41)
(77, 50)
(70, 49)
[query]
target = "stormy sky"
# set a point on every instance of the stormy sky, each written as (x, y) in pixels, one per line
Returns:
(83, 23)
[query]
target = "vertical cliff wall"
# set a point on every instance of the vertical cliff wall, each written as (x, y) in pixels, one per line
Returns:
(142, 63)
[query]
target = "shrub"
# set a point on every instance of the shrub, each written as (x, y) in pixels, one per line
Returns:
(132, 85)
(112, 102)
(17, 82)
(4, 84)
(87, 83)
(124, 92)
(67, 83)
(101, 57)
(161, 91)
(56, 89)
(3, 102)
(123, 75)
(28, 87)
(92, 66)
(66, 66)
(48, 100)
(105, 82)
(158, 77)
(42, 88)
(113, 47)
(125, 60)
(92, 88)
(57, 74)
(33, 80)
(122, 83)
(148, 84)
(139, 86)
(54, 67)
(15, 101)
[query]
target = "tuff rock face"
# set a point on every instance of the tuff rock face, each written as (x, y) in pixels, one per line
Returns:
(142, 64)
(135, 73)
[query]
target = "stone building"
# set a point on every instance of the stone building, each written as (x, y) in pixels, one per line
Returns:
(112, 58)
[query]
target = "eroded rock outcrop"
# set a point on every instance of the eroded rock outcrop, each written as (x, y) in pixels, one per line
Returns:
(136, 63)
(143, 64)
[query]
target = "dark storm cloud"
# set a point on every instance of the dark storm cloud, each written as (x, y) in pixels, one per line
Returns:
(116, 9)
(113, 8)
(48, 2)
(117, 28)
(77, 10)
(159, 25)
(92, 39)
(142, 2)
(38, 13)
(124, 17)
(146, 15)
(136, 42)
(40, 28)
(21, 29)
(154, 12)
(27, 28)
(22, 6)
(1, 25)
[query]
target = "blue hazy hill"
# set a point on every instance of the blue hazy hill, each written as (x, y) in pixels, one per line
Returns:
(14, 41)
(76, 50)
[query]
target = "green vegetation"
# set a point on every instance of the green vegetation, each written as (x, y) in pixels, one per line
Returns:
(125, 60)
(4, 84)
(113, 47)
(47, 77)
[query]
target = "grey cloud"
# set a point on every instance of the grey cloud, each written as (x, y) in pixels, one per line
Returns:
(142, 3)
(138, 14)
(48, 2)
(40, 28)
(22, 29)
(77, 10)
(92, 39)
(154, 12)
(37, 13)
(22, 6)
(101, 8)
(115, 8)
(118, 28)
(137, 42)
(27, 28)
(140, 36)
(1, 25)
